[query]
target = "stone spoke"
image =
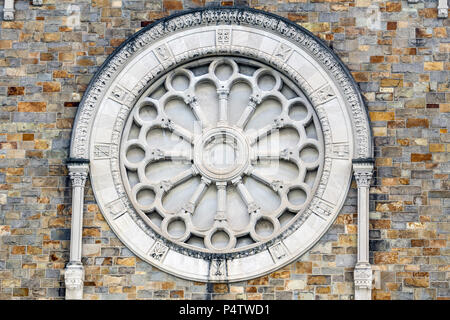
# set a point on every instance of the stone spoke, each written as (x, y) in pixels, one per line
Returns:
(253, 102)
(166, 185)
(221, 201)
(252, 207)
(176, 155)
(196, 196)
(192, 101)
(166, 123)
(277, 124)
(223, 106)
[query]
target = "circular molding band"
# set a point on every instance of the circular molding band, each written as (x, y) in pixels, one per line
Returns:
(165, 67)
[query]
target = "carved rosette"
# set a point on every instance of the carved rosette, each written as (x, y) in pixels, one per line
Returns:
(123, 105)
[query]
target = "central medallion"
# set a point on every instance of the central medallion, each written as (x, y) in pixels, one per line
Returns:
(221, 154)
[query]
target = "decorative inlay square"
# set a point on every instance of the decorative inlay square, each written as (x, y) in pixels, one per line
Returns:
(102, 151)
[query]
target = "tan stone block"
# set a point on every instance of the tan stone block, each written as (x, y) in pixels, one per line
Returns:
(420, 157)
(414, 123)
(431, 251)
(56, 222)
(16, 91)
(64, 123)
(177, 294)
(381, 116)
(262, 281)
(420, 142)
(317, 26)
(433, 66)
(417, 282)
(438, 243)
(85, 62)
(60, 74)
(380, 295)
(10, 283)
(385, 257)
(281, 274)
(15, 171)
(5, 44)
(51, 87)
(18, 250)
(323, 290)
(33, 250)
(440, 32)
(415, 103)
(12, 25)
(393, 6)
(437, 147)
(128, 261)
(220, 288)
(351, 228)
(347, 240)
(394, 206)
(363, 3)
(20, 292)
(172, 5)
(109, 280)
(91, 232)
(391, 83)
(52, 37)
(5, 230)
(361, 76)
(32, 106)
(295, 284)
(44, 182)
(41, 144)
(379, 131)
(303, 267)
(317, 280)
(428, 13)
(66, 56)
(28, 136)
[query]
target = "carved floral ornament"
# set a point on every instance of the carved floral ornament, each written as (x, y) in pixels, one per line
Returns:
(221, 142)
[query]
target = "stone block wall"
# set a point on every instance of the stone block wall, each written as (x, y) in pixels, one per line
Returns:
(397, 52)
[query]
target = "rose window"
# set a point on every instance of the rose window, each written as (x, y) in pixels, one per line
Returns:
(221, 154)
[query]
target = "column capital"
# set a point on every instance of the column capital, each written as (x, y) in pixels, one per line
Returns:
(78, 172)
(363, 170)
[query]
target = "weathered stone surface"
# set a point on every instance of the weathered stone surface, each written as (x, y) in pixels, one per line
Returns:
(401, 64)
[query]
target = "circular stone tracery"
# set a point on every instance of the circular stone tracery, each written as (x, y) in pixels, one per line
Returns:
(237, 129)
(143, 118)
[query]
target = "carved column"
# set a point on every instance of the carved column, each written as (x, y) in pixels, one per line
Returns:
(443, 9)
(74, 273)
(362, 169)
(8, 10)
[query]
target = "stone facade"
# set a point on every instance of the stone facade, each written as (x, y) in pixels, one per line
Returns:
(397, 51)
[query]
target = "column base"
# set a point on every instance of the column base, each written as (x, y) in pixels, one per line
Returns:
(363, 281)
(74, 278)
(363, 294)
